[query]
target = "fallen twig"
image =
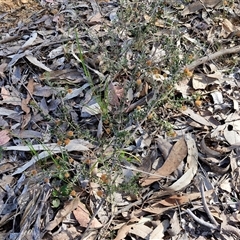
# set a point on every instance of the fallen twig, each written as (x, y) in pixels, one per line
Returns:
(11, 38)
(93, 216)
(228, 229)
(140, 102)
(201, 221)
(212, 56)
(155, 102)
(212, 219)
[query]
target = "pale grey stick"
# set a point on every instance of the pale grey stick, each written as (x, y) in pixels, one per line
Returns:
(197, 219)
(212, 56)
(212, 219)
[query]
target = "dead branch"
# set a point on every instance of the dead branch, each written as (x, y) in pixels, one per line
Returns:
(212, 56)
(201, 221)
(212, 219)
(228, 229)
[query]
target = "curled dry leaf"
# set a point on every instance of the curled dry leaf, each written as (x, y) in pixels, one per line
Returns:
(231, 132)
(207, 150)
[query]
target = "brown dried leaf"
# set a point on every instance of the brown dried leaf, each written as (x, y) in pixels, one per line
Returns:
(4, 138)
(45, 91)
(158, 232)
(25, 120)
(97, 18)
(68, 208)
(196, 117)
(25, 101)
(5, 94)
(83, 217)
(9, 98)
(123, 231)
(6, 181)
(115, 93)
(179, 199)
(177, 154)
(164, 146)
(140, 230)
(192, 165)
(174, 201)
(3, 67)
(192, 8)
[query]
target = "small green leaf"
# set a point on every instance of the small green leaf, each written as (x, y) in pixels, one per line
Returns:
(55, 193)
(65, 191)
(55, 203)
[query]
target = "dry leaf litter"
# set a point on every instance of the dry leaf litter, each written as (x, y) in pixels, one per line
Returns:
(119, 119)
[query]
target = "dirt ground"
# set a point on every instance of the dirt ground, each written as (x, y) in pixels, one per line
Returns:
(17, 12)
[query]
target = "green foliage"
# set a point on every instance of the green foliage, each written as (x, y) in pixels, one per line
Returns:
(81, 57)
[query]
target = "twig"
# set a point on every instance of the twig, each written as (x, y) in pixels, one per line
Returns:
(126, 209)
(162, 98)
(212, 56)
(93, 216)
(140, 102)
(52, 42)
(141, 123)
(212, 219)
(9, 39)
(228, 229)
(101, 76)
(141, 171)
(95, 7)
(129, 206)
(202, 222)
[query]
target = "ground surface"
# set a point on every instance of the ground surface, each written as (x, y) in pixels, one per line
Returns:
(119, 119)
